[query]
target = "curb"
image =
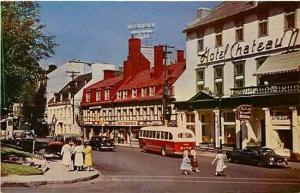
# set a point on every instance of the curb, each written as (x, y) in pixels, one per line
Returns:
(45, 182)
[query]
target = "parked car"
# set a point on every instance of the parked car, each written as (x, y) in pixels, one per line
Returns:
(260, 156)
(56, 144)
(102, 143)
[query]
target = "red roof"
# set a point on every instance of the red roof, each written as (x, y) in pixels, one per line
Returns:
(105, 83)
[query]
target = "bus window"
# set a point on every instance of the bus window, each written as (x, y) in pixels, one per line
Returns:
(185, 135)
(163, 134)
(166, 135)
(152, 134)
(170, 136)
(146, 133)
(157, 135)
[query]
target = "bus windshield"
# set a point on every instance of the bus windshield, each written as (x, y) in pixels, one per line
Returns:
(185, 135)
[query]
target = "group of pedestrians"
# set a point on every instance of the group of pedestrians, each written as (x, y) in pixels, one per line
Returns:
(76, 156)
(190, 163)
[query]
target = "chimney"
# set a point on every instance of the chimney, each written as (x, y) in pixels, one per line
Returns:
(109, 74)
(202, 13)
(180, 56)
(134, 47)
(158, 60)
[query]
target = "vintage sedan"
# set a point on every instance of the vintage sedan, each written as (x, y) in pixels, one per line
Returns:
(55, 145)
(260, 156)
(102, 143)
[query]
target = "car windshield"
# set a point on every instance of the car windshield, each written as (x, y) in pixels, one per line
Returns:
(267, 152)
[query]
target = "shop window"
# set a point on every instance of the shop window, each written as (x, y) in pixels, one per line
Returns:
(263, 24)
(290, 18)
(229, 135)
(206, 134)
(190, 118)
(229, 117)
(239, 31)
(218, 32)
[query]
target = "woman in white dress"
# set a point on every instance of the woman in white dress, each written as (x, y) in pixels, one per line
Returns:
(66, 153)
(185, 166)
(220, 157)
(79, 151)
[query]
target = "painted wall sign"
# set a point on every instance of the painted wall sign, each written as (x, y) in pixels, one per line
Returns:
(236, 50)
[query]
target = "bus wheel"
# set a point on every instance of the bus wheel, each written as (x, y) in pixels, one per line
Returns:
(163, 151)
(144, 148)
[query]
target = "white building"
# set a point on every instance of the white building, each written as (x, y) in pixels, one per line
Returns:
(67, 94)
(243, 53)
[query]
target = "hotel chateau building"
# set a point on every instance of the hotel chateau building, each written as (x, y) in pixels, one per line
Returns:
(243, 64)
(123, 102)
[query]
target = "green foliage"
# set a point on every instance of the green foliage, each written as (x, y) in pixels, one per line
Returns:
(15, 169)
(7, 151)
(24, 44)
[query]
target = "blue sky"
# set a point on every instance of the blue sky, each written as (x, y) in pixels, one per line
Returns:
(97, 31)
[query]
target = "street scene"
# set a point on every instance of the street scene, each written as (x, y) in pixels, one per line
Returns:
(150, 96)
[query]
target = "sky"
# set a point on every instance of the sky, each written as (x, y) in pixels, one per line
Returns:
(97, 31)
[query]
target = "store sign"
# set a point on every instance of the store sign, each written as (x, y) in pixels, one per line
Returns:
(244, 112)
(126, 123)
(141, 30)
(95, 107)
(235, 50)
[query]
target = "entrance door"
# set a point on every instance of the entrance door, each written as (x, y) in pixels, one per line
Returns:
(263, 132)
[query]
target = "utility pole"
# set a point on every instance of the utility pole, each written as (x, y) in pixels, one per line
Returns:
(73, 75)
(166, 90)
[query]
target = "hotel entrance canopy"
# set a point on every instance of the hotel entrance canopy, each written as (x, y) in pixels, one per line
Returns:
(282, 63)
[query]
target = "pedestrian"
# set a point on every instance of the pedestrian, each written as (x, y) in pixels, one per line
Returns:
(66, 152)
(72, 144)
(186, 163)
(88, 155)
(79, 151)
(220, 157)
(194, 162)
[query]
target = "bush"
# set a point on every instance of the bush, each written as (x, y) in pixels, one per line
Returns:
(15, 169)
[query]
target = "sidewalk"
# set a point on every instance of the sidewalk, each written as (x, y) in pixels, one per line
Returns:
(56, 174)
(132, 145)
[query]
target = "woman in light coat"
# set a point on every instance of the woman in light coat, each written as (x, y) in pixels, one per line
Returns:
(220, 157)
(79, 151)
(88, 156)
(66, 153)
(186, 163)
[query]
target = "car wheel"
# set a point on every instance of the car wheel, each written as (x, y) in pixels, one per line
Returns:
(260, 164)
(163, 151)
(144, 148)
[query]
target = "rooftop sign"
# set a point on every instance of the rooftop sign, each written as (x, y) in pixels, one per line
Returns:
(141, 30)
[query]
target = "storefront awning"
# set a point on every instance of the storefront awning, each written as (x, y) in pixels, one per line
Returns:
(281, 63)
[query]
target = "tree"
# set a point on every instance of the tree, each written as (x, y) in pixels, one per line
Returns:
(23, 45)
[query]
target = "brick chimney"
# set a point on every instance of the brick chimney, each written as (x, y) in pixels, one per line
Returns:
(109, 74)
(180, 56)
(158, 60)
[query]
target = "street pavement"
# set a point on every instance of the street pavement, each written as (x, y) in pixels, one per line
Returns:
(128, 170)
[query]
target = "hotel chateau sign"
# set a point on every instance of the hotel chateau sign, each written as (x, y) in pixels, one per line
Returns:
(236, 50)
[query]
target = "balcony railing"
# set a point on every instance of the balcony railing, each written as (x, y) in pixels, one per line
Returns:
(285, 88)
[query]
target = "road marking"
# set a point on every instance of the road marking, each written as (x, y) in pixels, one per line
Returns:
(204, 181)
(203, 177)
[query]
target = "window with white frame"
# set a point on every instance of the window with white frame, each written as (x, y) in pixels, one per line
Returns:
(124, 94)
(119, 95)
(134, 93)
(152, 91)
(87, 97)
(263, 24)
(218, 80)
(144, 92)
(98, 96)
(290, 20)
(106, 95)
(239, 30)
(218, 32)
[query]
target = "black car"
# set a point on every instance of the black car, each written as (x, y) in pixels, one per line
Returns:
(102, 143)
(260, 156)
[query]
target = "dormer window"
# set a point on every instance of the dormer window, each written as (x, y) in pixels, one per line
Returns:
(125, 94)
(98, 95)
(239, 30)
(200, 36)
(152, 91)
(144, 92)
(263, 24)
(106, 95)
(134, 93)
(88, 97)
